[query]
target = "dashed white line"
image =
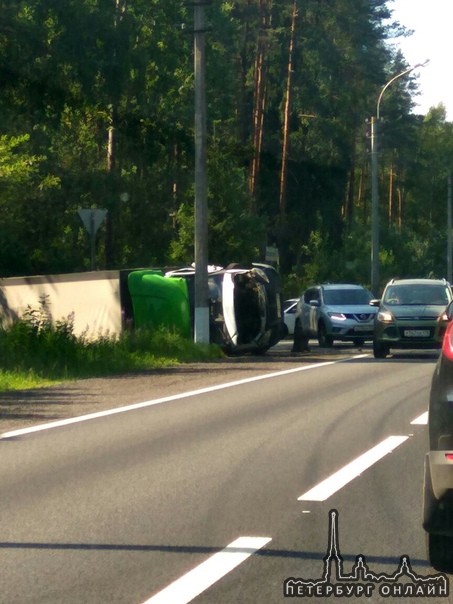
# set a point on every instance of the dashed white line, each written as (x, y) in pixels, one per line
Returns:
(166, 399)
(193, 583)
(339, 479)
(421, 420)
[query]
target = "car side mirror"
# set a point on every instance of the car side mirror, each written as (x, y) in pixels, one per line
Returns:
(374, 302)
(314, 303)
(449, 311)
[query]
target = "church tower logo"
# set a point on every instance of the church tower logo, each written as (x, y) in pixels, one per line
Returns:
(361, 582)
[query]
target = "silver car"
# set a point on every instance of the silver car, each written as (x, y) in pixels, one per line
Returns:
(334, 312)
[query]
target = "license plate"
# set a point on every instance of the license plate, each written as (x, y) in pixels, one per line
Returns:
(362, 328)
(417, 333)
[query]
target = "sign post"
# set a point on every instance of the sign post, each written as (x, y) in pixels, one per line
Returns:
(92, 219)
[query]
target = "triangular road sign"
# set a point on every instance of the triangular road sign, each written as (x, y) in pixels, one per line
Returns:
(92, 219)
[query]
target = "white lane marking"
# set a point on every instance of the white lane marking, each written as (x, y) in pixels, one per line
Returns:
(421, 420)
(197, 580)
(336, 481)
(166, 399)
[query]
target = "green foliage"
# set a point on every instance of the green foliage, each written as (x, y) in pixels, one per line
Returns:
(234, 235)
(321, 262)
(97, 110)
(15, 168)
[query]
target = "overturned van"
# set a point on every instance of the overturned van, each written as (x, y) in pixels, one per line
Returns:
(244, 306)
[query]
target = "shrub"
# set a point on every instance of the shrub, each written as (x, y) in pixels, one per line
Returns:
(35, 345)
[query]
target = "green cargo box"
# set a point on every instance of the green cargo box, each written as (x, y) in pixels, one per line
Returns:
(159, 301)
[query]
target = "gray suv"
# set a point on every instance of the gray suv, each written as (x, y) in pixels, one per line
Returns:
(411, 314)
(334, 312)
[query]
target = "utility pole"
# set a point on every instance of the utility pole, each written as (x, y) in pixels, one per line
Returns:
(286, 117)
(201, 330)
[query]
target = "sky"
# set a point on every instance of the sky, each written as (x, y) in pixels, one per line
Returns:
(432, 21)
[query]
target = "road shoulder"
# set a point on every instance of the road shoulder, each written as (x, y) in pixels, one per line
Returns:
(25, 408)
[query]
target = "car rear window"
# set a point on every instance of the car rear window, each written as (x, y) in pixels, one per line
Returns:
(342, 297)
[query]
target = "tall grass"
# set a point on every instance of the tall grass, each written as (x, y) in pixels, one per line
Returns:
(35, 351)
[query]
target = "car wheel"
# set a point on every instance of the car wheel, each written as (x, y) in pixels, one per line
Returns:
(440, 552)
(300, 341)
(324, 340)
(437, 520)
(380, 351)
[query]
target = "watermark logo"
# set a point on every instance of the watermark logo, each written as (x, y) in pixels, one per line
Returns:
(361, 582)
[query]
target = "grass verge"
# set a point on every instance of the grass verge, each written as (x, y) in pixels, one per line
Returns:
(34, 352)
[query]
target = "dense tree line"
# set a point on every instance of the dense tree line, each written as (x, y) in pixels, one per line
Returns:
(96, 107)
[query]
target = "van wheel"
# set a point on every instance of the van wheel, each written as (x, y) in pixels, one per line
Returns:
(324, 340)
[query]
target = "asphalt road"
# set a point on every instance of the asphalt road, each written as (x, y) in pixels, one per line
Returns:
(220, 496)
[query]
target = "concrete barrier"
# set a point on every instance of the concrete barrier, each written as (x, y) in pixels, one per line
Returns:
(93, 298)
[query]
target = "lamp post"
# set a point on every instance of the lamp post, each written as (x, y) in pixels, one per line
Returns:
(449, 232)
(374, 183)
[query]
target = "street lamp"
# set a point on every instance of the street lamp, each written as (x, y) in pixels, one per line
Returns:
(449, 233)
(374, 183)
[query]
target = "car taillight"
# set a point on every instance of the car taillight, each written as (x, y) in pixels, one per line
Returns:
(447, 345)
(449, 456)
